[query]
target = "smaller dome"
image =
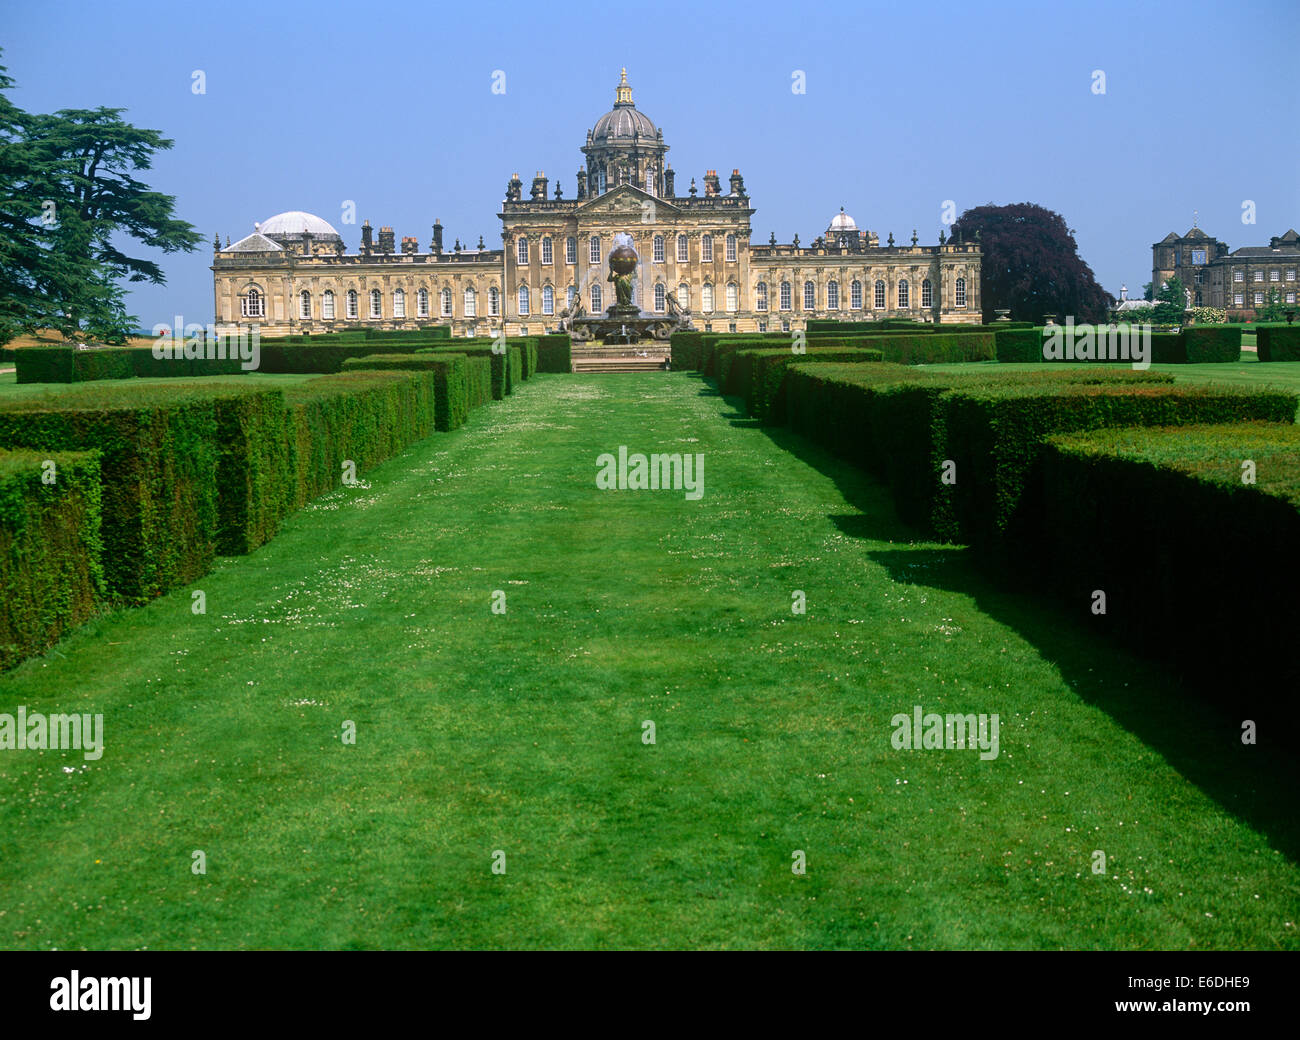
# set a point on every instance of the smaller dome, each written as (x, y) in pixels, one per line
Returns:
(293, 223)
(842, 222)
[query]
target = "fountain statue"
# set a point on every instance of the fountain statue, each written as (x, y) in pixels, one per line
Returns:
(624, 321)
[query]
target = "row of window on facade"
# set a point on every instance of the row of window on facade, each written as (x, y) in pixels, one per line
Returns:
(253, 303)
(1275, 275)
(1239, 299)
(594, 249)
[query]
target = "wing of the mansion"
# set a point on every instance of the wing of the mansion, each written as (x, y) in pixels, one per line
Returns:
(293, 274)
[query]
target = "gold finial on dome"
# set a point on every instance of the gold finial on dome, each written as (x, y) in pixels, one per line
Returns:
(623, 93)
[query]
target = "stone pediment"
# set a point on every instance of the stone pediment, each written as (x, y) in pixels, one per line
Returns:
(624, 202)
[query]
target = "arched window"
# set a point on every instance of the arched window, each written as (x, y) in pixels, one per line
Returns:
(327, 305)
(399, 303)
(706, 298)
(376, 303)
(832, 295)
(658, 254)
(809, 296)
(927, 294)
(661, 298)
(445, 296)
(422, 302)
(548, 300)
(785, 296)
(684, 296)
(494, 301)
(596, 301)
(683, 249)
(570, 250)
(731, 248)
(304, 304)
(547, 257)
(880, 293)
(523, 300)
(733, 297)
(706, 249)
(650, 179)
(959, 293)
(471, 302)
(352, 303)
(593, 249)
(760, 296)
(253, 305)
(855, 295)
(903, 294)
(523, 251)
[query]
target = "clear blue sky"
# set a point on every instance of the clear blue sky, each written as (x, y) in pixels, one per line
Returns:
(391, 105)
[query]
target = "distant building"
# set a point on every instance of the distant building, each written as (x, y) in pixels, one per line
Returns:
(293, 273)
(1240, 282)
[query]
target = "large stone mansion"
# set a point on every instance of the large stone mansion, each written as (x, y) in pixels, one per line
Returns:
(293, 274)
(1240, 281)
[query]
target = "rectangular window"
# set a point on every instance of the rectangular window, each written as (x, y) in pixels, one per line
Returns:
(352, 305)
(399, 304)
(762, 326)
(1290, 297)
(880, 294)
(1238, 276)
(1275, 275)
(523, 252)
(546, 252)
(304, 310)
(731, 248)
(855, 296)
(1290, 274)
(683, 249)
(785, 297)
(571, 250)
(327, 306)
(1238, 299)
(706, 249)
(927, 297)
(1259, 299)
(593, 250)
(1259, 276)
(658, 249)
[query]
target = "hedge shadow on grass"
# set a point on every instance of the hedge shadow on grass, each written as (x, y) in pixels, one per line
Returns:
(1196, 736)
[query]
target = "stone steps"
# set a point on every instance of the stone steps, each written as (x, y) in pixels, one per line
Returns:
(618, 364)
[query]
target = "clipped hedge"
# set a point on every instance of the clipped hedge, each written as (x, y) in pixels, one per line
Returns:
(893, 421)
(684, 350)
(159, 455)
(1273, 342)
(1161, 516)
(364, 417)
(51, 576)
(254, 467)
(450, 374)
(41, 364)
(1214, 344)
(761, 375)
(996, 432)
(554, 352)
(1019, 344)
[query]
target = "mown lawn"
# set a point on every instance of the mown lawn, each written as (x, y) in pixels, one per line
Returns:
(522, 732)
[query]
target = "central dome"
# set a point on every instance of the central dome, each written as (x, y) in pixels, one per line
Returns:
(623, 122)
(842, 222)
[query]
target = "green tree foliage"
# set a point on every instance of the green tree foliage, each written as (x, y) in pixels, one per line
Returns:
(1275, 308)
(1031, 264)
(70, 201)
(1171, 301)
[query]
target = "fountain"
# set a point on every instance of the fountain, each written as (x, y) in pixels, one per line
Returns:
(623, 322)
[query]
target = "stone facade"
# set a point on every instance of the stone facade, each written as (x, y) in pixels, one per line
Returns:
(694, 245)
(1239, 281)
